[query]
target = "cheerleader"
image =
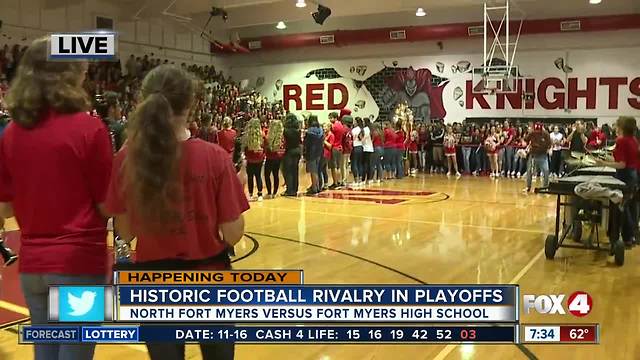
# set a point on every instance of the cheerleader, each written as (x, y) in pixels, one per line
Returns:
(449, 144)
(491, 146)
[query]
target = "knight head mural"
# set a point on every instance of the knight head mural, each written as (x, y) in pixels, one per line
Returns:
(419, 90)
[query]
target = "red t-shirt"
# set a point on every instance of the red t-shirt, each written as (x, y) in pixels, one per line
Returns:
(274, 155)
(55, 175)
(400, 139)
(212, 195)
(338, 131)
(627, 150)
(389, 138)
(597, 139)
(227, 139)
(326, 152)
(377, 140)
(254, 157)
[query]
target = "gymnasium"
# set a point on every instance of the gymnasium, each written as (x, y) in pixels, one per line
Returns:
(406, 142)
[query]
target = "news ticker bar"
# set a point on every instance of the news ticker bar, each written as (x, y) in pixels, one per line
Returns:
(134, 334)
(313, 334)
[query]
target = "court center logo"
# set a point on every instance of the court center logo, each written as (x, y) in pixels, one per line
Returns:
(382, 196)
(81, 304)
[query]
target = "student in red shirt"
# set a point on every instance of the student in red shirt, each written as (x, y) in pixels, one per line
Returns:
(178, 195)
(336, 164)
(55, 163)
(626, 164)
(389, 151)
(227, 136)
(326, 156)
(274, 153)
(400, 150)
(597, 139)
(253, 147)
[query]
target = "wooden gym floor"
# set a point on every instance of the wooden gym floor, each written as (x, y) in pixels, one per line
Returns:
(466, 231)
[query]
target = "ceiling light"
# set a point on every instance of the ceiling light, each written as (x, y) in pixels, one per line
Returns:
(301, 4)
(420, 12)
(281, 25)
(595, 2)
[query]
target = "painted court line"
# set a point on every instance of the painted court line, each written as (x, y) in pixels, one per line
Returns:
(449, 348)
(485, 227)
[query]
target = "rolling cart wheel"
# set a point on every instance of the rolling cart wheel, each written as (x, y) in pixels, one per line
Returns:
(550, 246)
(618, 253)
(576, 233)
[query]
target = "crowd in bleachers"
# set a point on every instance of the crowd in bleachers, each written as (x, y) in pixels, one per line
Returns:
(221, 113)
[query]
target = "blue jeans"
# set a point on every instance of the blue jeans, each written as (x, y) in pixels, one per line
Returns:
(466, 153)
(376, 162)
(36, 292)
(390, 159)
(507, 164)
(290, 164)
(399, 163)
(356, 163)
(541, 162)
(322, 171)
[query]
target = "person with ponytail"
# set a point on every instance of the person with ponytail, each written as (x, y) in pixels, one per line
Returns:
(178, 195)
(253, 147)
(274, 153)
(55, 164)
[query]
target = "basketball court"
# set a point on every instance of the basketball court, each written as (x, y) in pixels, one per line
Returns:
(466, 231)
(425, 229)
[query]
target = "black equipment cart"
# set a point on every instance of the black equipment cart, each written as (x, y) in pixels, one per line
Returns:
(579, 210)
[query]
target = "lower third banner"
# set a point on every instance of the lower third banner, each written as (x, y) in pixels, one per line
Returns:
(133, 334)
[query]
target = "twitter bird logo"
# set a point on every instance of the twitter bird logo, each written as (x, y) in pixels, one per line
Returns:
(81, 303)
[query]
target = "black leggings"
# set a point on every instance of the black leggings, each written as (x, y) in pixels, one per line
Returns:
(367, 170)
(254, 170)
(272, 168)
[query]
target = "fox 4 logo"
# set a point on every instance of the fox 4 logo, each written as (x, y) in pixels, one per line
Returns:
(579, 304)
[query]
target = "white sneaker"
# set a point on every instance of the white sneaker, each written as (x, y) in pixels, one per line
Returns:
(475, 173)
(458, 174)
(448, 173)
(518, 175)
(260, 198)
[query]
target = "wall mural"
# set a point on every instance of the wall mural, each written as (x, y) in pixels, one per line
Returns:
(441, 87)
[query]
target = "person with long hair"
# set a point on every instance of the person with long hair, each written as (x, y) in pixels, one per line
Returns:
(313, 149)
(55, 164)
(292, 154)
(389, 151)
(357, 154)
(179, 196)
(449, 144)
(491, 147)
(253, 148)
(274, 154)
(377, 138)
(368, 151)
